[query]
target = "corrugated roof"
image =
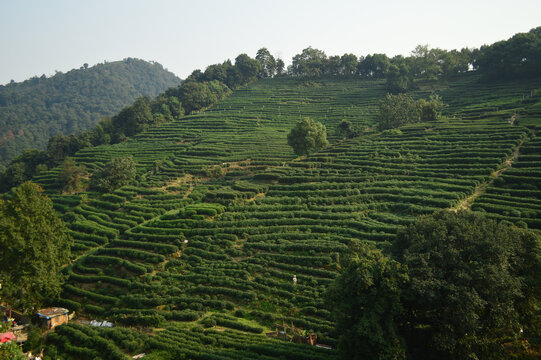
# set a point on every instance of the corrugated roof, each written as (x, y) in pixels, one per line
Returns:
(52, 312)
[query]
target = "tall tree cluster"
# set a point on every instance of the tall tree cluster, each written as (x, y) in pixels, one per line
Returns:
(35, 245)
(452, 286)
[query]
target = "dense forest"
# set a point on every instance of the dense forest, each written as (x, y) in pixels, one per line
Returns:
(387, 207)
(34, 110)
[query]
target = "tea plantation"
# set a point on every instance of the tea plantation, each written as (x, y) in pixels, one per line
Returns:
(195, 260)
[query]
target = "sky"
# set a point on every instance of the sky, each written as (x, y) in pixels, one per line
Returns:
(41, 37)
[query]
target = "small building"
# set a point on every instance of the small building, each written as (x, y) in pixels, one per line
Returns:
(52, 317)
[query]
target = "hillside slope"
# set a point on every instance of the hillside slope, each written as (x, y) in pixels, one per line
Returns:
(202, 249)
(34, 110)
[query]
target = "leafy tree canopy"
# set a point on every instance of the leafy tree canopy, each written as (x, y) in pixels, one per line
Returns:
(71, 176)
(34, 245)
(267, 61)
(364, 301)
(307, 136)
(347, 130)
(311, 62)
(397, 110)
(11, 351)
(473, 282)
(401, 109)
(460, 286)
(247, 67)
(115, 174)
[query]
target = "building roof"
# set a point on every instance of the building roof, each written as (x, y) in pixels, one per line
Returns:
(7, 336)
(49, 313)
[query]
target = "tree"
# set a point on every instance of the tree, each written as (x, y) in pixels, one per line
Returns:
(71, 175)
(430, 109)
(217, 72)
(311, 62)
(24, 167)
(375, 66)
(280, 67)
(397, 110)
(307, 136)
(195, 96)
(115, 174)
(11, 351)
(347, 130)
(519, 56)
(333, 66)
(34, 245)
(425, 62)
(348, 65)
(399, 78)
(473, 282)
(60, 146)
(135, 118)
(248, 68)
(267, 61)
(365, 303)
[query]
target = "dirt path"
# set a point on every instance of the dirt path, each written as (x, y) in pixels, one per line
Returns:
(479, 189)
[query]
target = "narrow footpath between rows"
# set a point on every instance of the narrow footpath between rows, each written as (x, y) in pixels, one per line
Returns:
(479, 189)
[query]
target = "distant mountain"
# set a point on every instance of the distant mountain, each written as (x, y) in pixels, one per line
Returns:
(34, 110)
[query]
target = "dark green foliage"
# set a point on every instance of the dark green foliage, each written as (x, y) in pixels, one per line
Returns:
(365, 302)
(347, 130)
(25, 166)
(430, 109)
(399, 78)
(135, 118)
(267, 63)
(34, 246)
(115, 174)
(397, 110)
(471, 284)
(374, 66)
(401, 109)
(248, 68)
(307, 136)
(310, 63)
(71, 175)
(86, 342)
(11, 351)
(519, 56)
(199, 95)
(34, 341)
(34, 110)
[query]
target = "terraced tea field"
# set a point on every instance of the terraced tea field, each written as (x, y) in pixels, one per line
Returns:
(204, 260)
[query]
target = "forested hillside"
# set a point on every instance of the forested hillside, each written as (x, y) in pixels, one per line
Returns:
(36, 109)
(201, 234)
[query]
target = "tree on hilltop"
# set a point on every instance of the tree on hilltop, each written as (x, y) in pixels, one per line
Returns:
(307, 136)
(247, 67)
(267, 61)
(311, 62)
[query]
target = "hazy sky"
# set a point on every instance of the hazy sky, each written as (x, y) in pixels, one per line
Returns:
(38, 37)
